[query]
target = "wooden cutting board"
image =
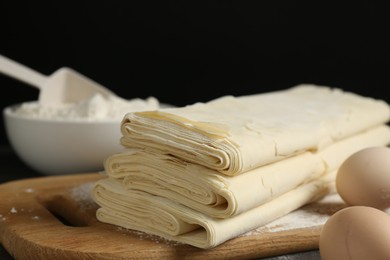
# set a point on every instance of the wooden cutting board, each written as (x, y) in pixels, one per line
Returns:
(54, 218)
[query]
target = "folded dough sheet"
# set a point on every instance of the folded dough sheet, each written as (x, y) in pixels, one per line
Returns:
(221, 196)
(209, 172)
(157, 215)
(235, 134)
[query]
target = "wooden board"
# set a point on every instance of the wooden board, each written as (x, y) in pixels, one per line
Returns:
(54, 218)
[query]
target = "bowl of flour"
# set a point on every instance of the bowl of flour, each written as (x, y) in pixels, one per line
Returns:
(71, 138)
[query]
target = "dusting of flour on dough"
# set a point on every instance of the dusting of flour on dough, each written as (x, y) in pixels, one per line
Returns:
(312, 215)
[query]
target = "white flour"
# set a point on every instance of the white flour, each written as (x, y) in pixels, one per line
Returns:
(93, 109)
(82, 195)
(311, 215)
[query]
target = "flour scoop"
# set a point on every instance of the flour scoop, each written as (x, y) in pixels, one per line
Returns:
(65, 85)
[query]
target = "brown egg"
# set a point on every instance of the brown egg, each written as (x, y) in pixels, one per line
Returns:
(356, 233)
(364, 178)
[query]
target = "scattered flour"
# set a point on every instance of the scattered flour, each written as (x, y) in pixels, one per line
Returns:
(312, 215)
(82, 195)
(93, 109)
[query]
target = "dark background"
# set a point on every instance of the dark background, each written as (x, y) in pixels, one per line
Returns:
(183, 52)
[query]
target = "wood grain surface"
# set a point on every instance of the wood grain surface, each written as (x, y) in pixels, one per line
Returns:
(54, 218)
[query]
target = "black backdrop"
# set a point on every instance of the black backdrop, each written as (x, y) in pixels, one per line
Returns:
(182, 52)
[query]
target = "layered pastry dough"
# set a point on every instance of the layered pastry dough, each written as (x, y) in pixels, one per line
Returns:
(156, 215)
(221, 196)
(235, 134)
(209, 172)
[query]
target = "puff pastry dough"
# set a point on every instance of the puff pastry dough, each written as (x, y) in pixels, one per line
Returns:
(235, 134)
(222, 196)
(209, 172)
(156, 215)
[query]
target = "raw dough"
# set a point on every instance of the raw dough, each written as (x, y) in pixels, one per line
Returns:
(222, 196)
(156, 215)
(256, 158)
(235, 134)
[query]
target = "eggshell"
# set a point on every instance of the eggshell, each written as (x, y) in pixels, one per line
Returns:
(364, 178)
(356, 233)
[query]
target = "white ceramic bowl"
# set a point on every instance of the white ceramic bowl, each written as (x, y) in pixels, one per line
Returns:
(54, 147)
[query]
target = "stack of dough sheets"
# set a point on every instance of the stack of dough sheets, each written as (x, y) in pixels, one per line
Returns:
(209, 172)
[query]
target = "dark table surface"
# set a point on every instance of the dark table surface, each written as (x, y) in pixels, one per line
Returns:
(12, 168)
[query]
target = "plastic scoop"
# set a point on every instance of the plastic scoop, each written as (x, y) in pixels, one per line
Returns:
(65, 85)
